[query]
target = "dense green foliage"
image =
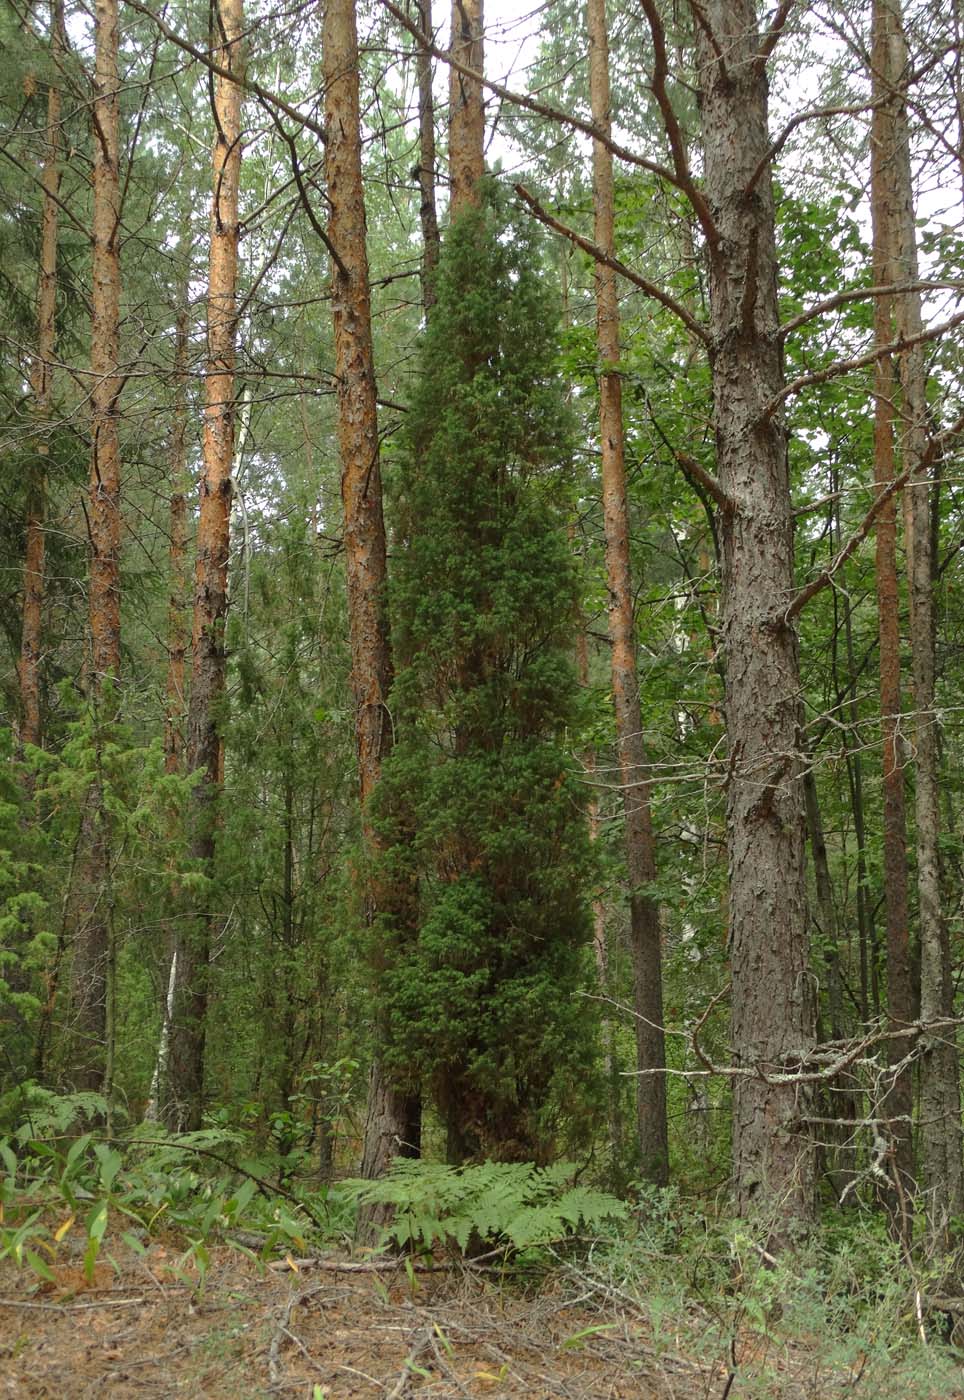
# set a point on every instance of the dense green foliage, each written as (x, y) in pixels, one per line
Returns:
(484, 590)
(501, 992)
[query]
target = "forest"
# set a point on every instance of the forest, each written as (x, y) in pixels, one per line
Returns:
(480, 647)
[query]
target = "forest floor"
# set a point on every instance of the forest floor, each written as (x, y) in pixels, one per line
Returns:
(322, 1331)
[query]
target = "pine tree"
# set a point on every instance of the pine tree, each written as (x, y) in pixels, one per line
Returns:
(203, 749)
(630, 746)
(484, 594)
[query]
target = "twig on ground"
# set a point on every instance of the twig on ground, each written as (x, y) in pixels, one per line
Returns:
(422, 1341)
(295, 1301)
(72, 1307)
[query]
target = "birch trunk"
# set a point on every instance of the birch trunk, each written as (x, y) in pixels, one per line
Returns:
(177, 640)
(203, 744)
(630, 748)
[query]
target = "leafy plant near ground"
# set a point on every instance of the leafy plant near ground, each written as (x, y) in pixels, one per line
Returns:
(200, 1187)
(514, 1204)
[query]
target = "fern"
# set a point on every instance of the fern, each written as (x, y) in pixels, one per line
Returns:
(514, 1204)
(31, 1112)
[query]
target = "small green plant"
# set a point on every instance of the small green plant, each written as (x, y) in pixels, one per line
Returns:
(31, 1113)
(187, 1184)
(511, 1204)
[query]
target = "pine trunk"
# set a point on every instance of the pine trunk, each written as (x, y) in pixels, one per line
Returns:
(177, 636)
(840, 1095)
(631, 751)
(203, 750)
(426, 161)
(942, 1168)
(773, 1013)
(387, 1122)
(41, 375)
(898, 1106)
(466, 106)
(599, 945)
(89, 973)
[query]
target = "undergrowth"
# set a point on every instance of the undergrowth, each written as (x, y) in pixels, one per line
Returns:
(511, 1204)
(842, 1311)
(845, 1302)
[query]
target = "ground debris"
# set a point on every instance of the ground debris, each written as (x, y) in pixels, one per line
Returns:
(253, 1333)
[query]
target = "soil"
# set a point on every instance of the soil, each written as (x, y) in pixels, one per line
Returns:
(332, 1329)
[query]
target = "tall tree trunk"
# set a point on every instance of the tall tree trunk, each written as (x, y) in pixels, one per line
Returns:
(411, 1141)
(387, 1119)
(898, 1105)
(203, 747)
(599, 944)
(177, 640)
(426, 160)
(630, 748)
(41, 375)
(839, 1095)
(177, 635)
(466, 106)
(940, 1098)
(89, 974)
(773, 1013)
(866, 932)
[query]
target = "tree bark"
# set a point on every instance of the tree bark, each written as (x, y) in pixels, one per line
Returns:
(177, 635)
(866, 932)
(773, 1012)
(630, 748)
(203, 750)
(89, 973)
(41, 375)
(898, 1104)
(599, 944)
(942, 1167)
(840, 1094)
(177, 640)
(387, 1121)
(426, 160)
(466, 106)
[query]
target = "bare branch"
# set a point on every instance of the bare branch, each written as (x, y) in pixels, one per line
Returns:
(529, 104)
(697, 472)
(818, 584)
(840, 367)
(684, 177)
(821, 308)
(699, 14)
(597, 253)
(775, 32)
(814, 115)
(265, 96)
(322, 233)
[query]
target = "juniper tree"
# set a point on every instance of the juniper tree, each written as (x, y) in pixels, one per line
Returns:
(484, 1002)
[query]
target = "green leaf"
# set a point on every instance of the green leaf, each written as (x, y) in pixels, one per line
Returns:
(97, 1222)
(40, 1267)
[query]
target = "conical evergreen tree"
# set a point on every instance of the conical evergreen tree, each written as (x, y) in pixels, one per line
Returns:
(484, 1004)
